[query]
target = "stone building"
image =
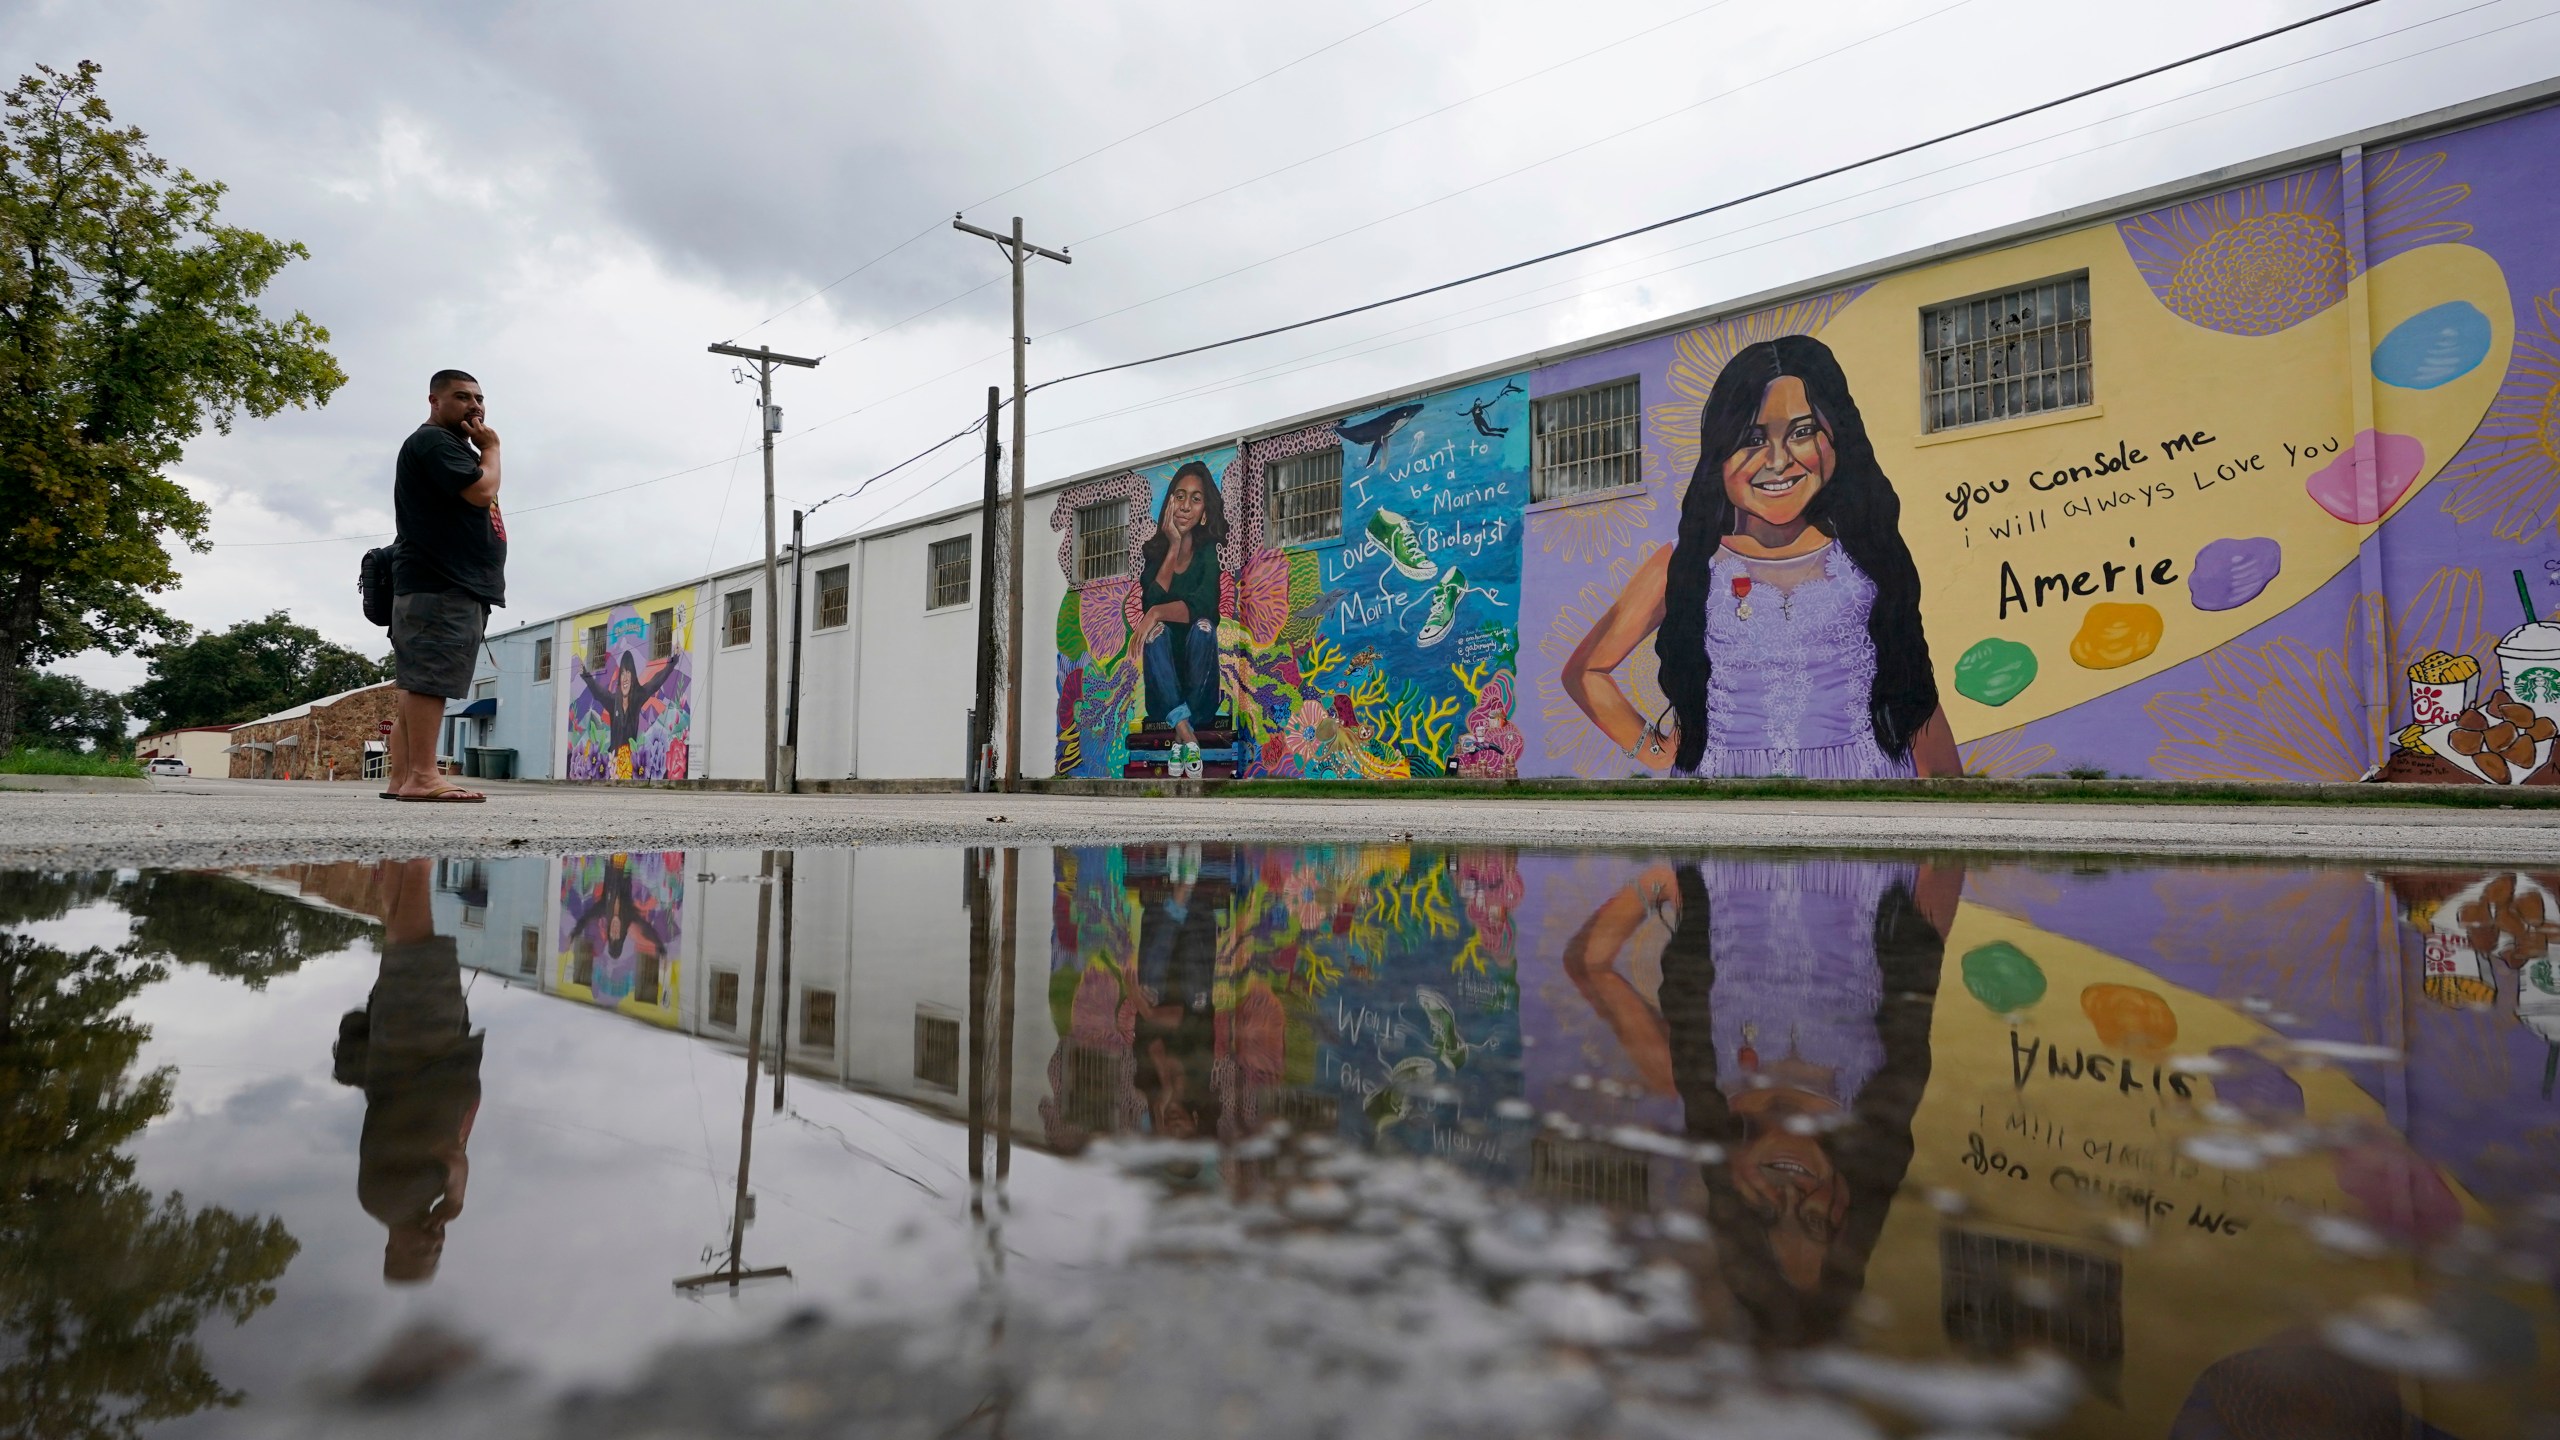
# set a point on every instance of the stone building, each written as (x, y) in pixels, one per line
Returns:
(334, 737)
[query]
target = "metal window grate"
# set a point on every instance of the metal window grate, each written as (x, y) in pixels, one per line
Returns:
(595, 647)
(835, 596)
(2019, 352)
(938, 1051)
(818, 1020)
(1304, 497)
(1091, 1090)
(1587, 440)
(724, 999)
(528, 951)
(947, 573)
(541, 660)
(662, 634)
(1998, 1294)
(1102, 541)
(1585, 1172)
(738, 617)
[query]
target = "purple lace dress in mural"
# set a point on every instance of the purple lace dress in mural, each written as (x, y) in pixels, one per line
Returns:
(1796, 980)
(1794, 667)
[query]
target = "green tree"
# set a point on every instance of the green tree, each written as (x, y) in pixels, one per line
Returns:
(128, 321)
(67, 713)
(230, 927)
(103, 1285)
(255, 668)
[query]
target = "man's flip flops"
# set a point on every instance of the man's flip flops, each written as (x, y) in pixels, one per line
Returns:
(453, 796)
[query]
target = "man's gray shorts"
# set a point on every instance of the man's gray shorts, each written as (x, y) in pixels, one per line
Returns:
(435, 639)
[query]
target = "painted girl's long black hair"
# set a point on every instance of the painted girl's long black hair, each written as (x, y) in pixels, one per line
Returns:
(1856, 507)
(1213, 517)
(1872, 1152)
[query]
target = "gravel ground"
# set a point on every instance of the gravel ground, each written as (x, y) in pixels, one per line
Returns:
(224, 822)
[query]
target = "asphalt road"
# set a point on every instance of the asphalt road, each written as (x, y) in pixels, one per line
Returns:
(219, 822)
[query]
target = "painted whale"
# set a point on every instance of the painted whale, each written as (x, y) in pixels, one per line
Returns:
(1378, 429)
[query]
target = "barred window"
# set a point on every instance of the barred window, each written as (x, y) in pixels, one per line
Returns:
(1303, 495)
(835, 596)
(724, 999)
(528, 951)
(1586, 440)
(947, 573)
(1102, 540)
(938, 1051)
(662, 634)
(818, 1020)
(595, 647)
(541, 659)
(2017, 352)
(738, 617)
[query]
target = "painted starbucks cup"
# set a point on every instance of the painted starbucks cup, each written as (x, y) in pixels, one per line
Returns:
(2529, 667)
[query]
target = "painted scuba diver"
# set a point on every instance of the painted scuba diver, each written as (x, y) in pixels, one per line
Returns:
(1378, 429)
(1476, 411)
(629, 696)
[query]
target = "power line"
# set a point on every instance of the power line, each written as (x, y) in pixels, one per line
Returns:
(1721, 205)
(1064, 166)
(1618, 134)
(1202, 105)
(1799, 183)
(1581, 286)
(1436, 111)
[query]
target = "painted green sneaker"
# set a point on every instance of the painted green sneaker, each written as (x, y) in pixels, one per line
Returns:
(1444, 608)
(1394, 534)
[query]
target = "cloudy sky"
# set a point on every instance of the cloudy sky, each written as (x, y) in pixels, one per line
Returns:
(572, 199)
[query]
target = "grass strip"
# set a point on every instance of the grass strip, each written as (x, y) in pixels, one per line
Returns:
(2028, 791)
(32, 760)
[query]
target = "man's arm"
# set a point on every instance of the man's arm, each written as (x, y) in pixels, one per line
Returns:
(483, 492)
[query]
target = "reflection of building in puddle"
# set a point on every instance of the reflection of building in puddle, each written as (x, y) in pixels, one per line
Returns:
(2000, 1294)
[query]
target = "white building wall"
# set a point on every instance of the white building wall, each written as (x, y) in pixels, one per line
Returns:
(919, 665)
(733, 690)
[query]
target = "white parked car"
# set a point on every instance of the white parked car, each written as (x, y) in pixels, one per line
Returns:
(167, 765)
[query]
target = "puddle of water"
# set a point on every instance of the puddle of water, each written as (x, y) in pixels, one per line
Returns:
(1342, 1140)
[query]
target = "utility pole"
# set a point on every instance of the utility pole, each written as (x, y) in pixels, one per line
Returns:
(982, 715)
(764, 358)
(1017, 251)
(790, 766)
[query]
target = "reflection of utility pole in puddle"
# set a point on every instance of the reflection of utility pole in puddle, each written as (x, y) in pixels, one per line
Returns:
(991, 966)
(733, 1271)
(782, 1022)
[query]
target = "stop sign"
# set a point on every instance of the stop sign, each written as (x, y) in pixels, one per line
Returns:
(387, 727)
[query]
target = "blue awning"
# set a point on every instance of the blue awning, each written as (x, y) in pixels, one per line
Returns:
(480, 709)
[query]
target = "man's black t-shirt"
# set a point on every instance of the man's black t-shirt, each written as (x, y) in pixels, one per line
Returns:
(446, 542)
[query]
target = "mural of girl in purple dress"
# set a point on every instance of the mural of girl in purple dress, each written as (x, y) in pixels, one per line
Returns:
(1793, 1023)
(1787, 614)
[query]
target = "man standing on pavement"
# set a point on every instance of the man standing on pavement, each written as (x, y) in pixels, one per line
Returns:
(448, 571)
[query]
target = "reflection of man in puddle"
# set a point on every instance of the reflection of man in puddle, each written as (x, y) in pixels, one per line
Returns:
(1181, 898)
(1793, 1022)
(412, 1051)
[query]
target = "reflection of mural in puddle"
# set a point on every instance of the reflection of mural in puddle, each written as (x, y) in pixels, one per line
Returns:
(2154, 1130)
(621, 930)
(1207, 990)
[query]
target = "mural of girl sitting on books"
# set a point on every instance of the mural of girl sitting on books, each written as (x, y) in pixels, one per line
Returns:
(1178, 585)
